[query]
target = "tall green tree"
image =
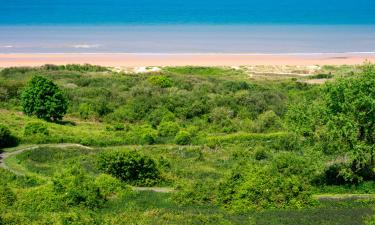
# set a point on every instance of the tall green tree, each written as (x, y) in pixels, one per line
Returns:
(343, 121)
(44, 99)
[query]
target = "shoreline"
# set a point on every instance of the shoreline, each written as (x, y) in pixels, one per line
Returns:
(185, 59)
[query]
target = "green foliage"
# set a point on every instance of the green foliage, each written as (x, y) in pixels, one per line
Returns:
(76, 67)
(35, 128)
(161, 81)
(230, 123)
(144, 135)
(129, 166)
(75, 188)
(321, 76)
(6, 138)
(350, 108)
(42, 98)
(263, 188)
(110, 186)
(159, 115)
(267, 121)
(10, 179)
(183, 138)
(343, 122)
(86, 111)
(168, 129)
(196, 70)
(7, 197)
(261, 154)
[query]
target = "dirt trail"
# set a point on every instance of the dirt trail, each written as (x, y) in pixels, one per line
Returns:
(4, 155)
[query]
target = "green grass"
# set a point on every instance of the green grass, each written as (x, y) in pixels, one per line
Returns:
(220, 107)
(186, 163)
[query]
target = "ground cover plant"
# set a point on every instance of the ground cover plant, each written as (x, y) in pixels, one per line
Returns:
(186, 145)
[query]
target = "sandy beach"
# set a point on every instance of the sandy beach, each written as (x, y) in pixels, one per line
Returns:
(149, 59)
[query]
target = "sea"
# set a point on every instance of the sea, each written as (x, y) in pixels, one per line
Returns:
(187, 26)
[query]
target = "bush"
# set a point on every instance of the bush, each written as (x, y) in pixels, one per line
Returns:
(109, 185)
(261, 154)
(42, 98)
(6, 138)
(263, 188)
(86, 111)
(183, 138)
(129, 166)
(161, 81)
(75, 188)
(168, 129)
(333, 174)
(267, 122)
(36, 128)
(159, 115)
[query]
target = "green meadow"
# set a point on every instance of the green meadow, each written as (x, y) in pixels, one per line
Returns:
(190, 145)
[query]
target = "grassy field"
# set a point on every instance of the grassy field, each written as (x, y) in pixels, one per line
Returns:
(241, 159)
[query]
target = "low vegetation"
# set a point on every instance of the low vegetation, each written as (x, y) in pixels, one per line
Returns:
(186, 145)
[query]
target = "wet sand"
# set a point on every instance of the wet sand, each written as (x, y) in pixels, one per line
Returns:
(149, 59)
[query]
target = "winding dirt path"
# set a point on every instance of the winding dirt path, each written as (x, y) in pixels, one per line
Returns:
(19, 150)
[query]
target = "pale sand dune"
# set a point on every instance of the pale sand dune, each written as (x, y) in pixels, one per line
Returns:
(133, 60)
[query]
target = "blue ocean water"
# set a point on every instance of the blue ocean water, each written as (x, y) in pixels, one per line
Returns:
(187, 11)
(187, 26)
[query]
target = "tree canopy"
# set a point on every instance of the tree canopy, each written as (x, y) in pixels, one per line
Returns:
(44, 99)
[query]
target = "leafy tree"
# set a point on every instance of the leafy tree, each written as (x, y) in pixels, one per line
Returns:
(343, 121)
(44, 99)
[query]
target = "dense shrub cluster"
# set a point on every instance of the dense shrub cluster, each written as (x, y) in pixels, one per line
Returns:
(129, 166)
(342, 122)
(279, 185)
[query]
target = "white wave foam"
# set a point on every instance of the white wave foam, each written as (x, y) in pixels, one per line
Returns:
(7, 46)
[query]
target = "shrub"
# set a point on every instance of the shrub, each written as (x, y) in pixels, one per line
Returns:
(261, 154)
(333, 174)
(6, 138)
(159, 115)
(161, 81)
(86, 111)
(75, 188)
(168, 129)
(183, 138)
(201, 192)
(262, 188)
(42, 98)
(36, 128)
(267, 121)
(109, 185)
(129, 166)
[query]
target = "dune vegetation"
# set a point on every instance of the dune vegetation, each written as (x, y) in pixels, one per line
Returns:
(85, 144)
